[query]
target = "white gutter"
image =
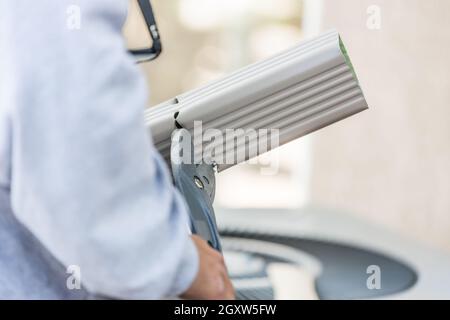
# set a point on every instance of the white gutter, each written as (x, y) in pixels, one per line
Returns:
(297, 91)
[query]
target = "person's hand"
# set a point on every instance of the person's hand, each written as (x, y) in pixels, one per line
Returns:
(212, 281)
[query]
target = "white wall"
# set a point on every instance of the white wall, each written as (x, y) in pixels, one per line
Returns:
(391, 164)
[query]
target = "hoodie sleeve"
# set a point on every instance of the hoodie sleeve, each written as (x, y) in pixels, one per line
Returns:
(85, 176)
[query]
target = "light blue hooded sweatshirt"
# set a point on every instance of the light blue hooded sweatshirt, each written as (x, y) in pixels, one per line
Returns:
(81, 185)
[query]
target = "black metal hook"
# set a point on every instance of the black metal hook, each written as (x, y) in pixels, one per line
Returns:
(148, 54)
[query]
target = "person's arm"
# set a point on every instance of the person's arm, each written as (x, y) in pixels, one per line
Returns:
(86, 179)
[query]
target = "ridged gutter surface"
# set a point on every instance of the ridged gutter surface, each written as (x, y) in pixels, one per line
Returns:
(298, 91)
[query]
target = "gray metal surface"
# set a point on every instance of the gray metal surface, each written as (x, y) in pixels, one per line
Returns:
(196, 182)
(248, 272)
(344, 268)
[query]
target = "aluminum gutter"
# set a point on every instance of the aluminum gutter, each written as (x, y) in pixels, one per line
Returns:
(298, 91)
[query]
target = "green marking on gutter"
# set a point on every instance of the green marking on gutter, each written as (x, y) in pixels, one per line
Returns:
(347, 58)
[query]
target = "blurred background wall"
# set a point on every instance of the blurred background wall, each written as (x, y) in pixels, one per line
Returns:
(391, 164)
